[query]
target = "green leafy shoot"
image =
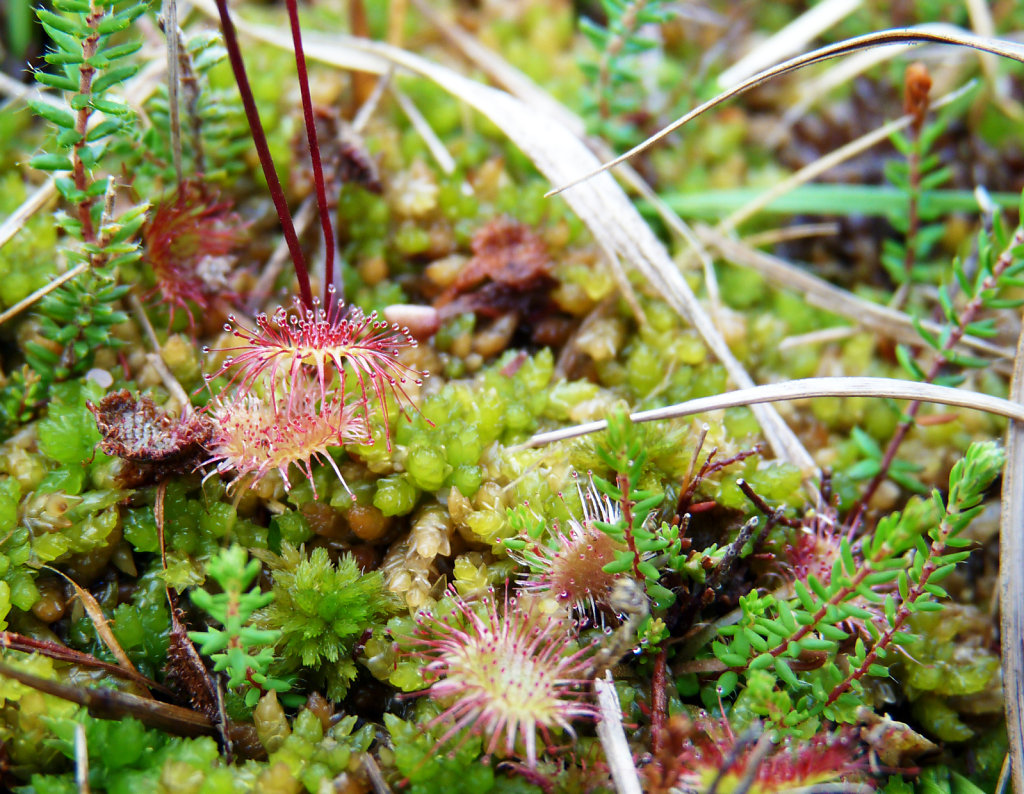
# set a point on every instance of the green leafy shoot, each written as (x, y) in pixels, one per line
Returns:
(239, 648)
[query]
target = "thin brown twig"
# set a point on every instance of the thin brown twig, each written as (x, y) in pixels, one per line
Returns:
(967, 316)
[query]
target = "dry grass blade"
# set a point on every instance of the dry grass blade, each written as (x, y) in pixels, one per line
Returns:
(882, 38)
(843, 72)
(169, 20)
(113, 705)
(557, 152)
(42, 292)
(881, 319)
(102, 626)
(437, 150)
(40, 196)
(81, 759)
(1011, 578)
(800, 390)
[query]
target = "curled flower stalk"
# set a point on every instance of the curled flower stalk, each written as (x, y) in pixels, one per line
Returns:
(322, 340)
(503, 675)
(251, 438)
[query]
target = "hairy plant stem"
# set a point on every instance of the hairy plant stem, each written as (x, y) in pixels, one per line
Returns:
(903, 612)
(259, 139)
(314, 148)
(622, 481)
(659, 702)
(86, 72)
(967, 316)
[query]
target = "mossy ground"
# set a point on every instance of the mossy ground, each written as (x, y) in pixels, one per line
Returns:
(530, 336)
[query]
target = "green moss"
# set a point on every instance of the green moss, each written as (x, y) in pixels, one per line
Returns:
(320, 608)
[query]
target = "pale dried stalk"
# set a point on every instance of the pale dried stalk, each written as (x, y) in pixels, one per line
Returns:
(424, 130)
(81, 760)
(881, 319)
(789, 40)
(819, 337)
(169, 20)
(798, 232)
(800, 390)
(42, 292)
(156, 359)
(613, 737)
(40, 196)
(1011, 578)
(812, 91)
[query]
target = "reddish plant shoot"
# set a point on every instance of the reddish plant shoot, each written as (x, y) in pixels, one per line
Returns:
(503, 675)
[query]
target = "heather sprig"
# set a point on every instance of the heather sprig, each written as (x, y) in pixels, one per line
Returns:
(616, 91)
(866, 597)
(241, 649)
(999, 268)
(906, 259)
(89, 67)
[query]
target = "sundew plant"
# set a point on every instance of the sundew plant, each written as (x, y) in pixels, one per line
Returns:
(357, 434)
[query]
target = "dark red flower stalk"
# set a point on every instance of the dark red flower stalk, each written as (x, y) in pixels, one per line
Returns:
(189, 242)
(314, 148)
(259, 138)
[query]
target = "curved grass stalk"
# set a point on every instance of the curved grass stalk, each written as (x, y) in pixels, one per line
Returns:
(881, 38)
(803, 389)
